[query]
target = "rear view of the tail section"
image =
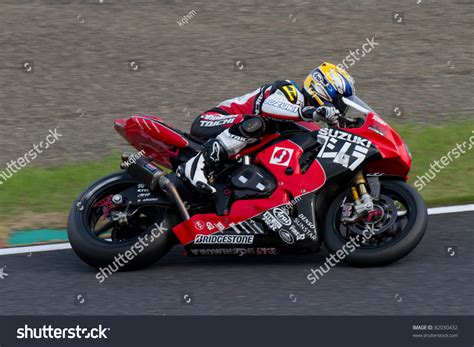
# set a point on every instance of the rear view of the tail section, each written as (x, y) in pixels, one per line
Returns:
(155, 138)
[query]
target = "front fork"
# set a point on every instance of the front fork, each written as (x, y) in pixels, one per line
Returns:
(363, 203)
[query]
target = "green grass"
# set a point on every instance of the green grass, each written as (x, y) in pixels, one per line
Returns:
(453, 184)
(53, 189)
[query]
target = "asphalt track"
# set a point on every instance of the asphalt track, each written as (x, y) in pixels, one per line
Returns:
(435, 279)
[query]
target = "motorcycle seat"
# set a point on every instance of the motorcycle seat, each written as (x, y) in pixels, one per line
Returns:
(194, 138)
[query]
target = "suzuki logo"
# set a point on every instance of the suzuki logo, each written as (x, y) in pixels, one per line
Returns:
(281, 156)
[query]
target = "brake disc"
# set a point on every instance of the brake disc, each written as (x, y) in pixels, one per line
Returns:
(380, 219)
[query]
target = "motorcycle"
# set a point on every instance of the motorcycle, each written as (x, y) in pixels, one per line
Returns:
(293, 191)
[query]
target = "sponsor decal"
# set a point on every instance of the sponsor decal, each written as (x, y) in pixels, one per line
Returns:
(299, 236)
(299, 223)
(306, 220)
(210, 226)
(201, 225)
(209, 124)
(265, 251)
(239, 138)
(271, 221)
(148, 199)
(375, 174)
(379, 120)
(376, 130)
(152, 168)
(290, 92)
(307, 226)
(307, 231)
(286, 236)
(283, 105)
(212, 120)
(144, 194)
(299, 228)
(220, 226)
(282, 216)
(279, 217)
(235, 251)
(344, 151)
(258, 102)
(217, 116)
(223, 239)
(281, 156)
(341, 135)
(216, 152)
(319, 77)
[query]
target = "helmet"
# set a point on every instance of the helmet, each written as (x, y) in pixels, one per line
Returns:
(327, 84)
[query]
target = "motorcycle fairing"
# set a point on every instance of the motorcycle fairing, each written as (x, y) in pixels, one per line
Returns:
(276, 159)
(290, 162)
(150, 134)
(285, 229)
(343, 153)
(395, 159)
(239, 182)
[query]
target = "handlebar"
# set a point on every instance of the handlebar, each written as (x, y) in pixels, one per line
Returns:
(341, 120)
(321, 114)
(350, 122)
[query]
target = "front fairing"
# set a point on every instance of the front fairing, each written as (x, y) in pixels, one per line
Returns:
(393, 151)
(395, 158)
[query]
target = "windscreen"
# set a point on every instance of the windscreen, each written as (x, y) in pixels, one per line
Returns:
(356, 104)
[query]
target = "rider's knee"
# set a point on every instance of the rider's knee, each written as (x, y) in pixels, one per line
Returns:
(251, 127)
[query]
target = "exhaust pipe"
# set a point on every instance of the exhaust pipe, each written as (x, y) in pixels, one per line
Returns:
(143, 169)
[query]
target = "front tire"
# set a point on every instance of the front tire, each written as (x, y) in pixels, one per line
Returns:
(403, 235)
(145, 242)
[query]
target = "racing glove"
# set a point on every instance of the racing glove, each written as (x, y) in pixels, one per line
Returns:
(329, 114)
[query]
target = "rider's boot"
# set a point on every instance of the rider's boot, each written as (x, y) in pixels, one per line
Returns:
(205, 165)
(208, 162)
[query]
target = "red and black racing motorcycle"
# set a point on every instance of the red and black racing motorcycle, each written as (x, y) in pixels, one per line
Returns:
(289, 193)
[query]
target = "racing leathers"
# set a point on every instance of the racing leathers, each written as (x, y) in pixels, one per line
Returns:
(237, 122)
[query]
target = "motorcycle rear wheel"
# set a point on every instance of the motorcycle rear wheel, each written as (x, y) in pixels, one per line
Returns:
(103, 244)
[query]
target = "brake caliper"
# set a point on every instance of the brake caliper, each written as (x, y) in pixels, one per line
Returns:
(362, 205)
(107, 204)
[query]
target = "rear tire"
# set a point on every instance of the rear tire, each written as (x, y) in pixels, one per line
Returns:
(401, 245)
(101, 254)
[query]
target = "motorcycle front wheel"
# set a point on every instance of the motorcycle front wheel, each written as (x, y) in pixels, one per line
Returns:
(396, 227)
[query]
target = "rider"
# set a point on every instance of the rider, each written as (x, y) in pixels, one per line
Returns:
(236, 122)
